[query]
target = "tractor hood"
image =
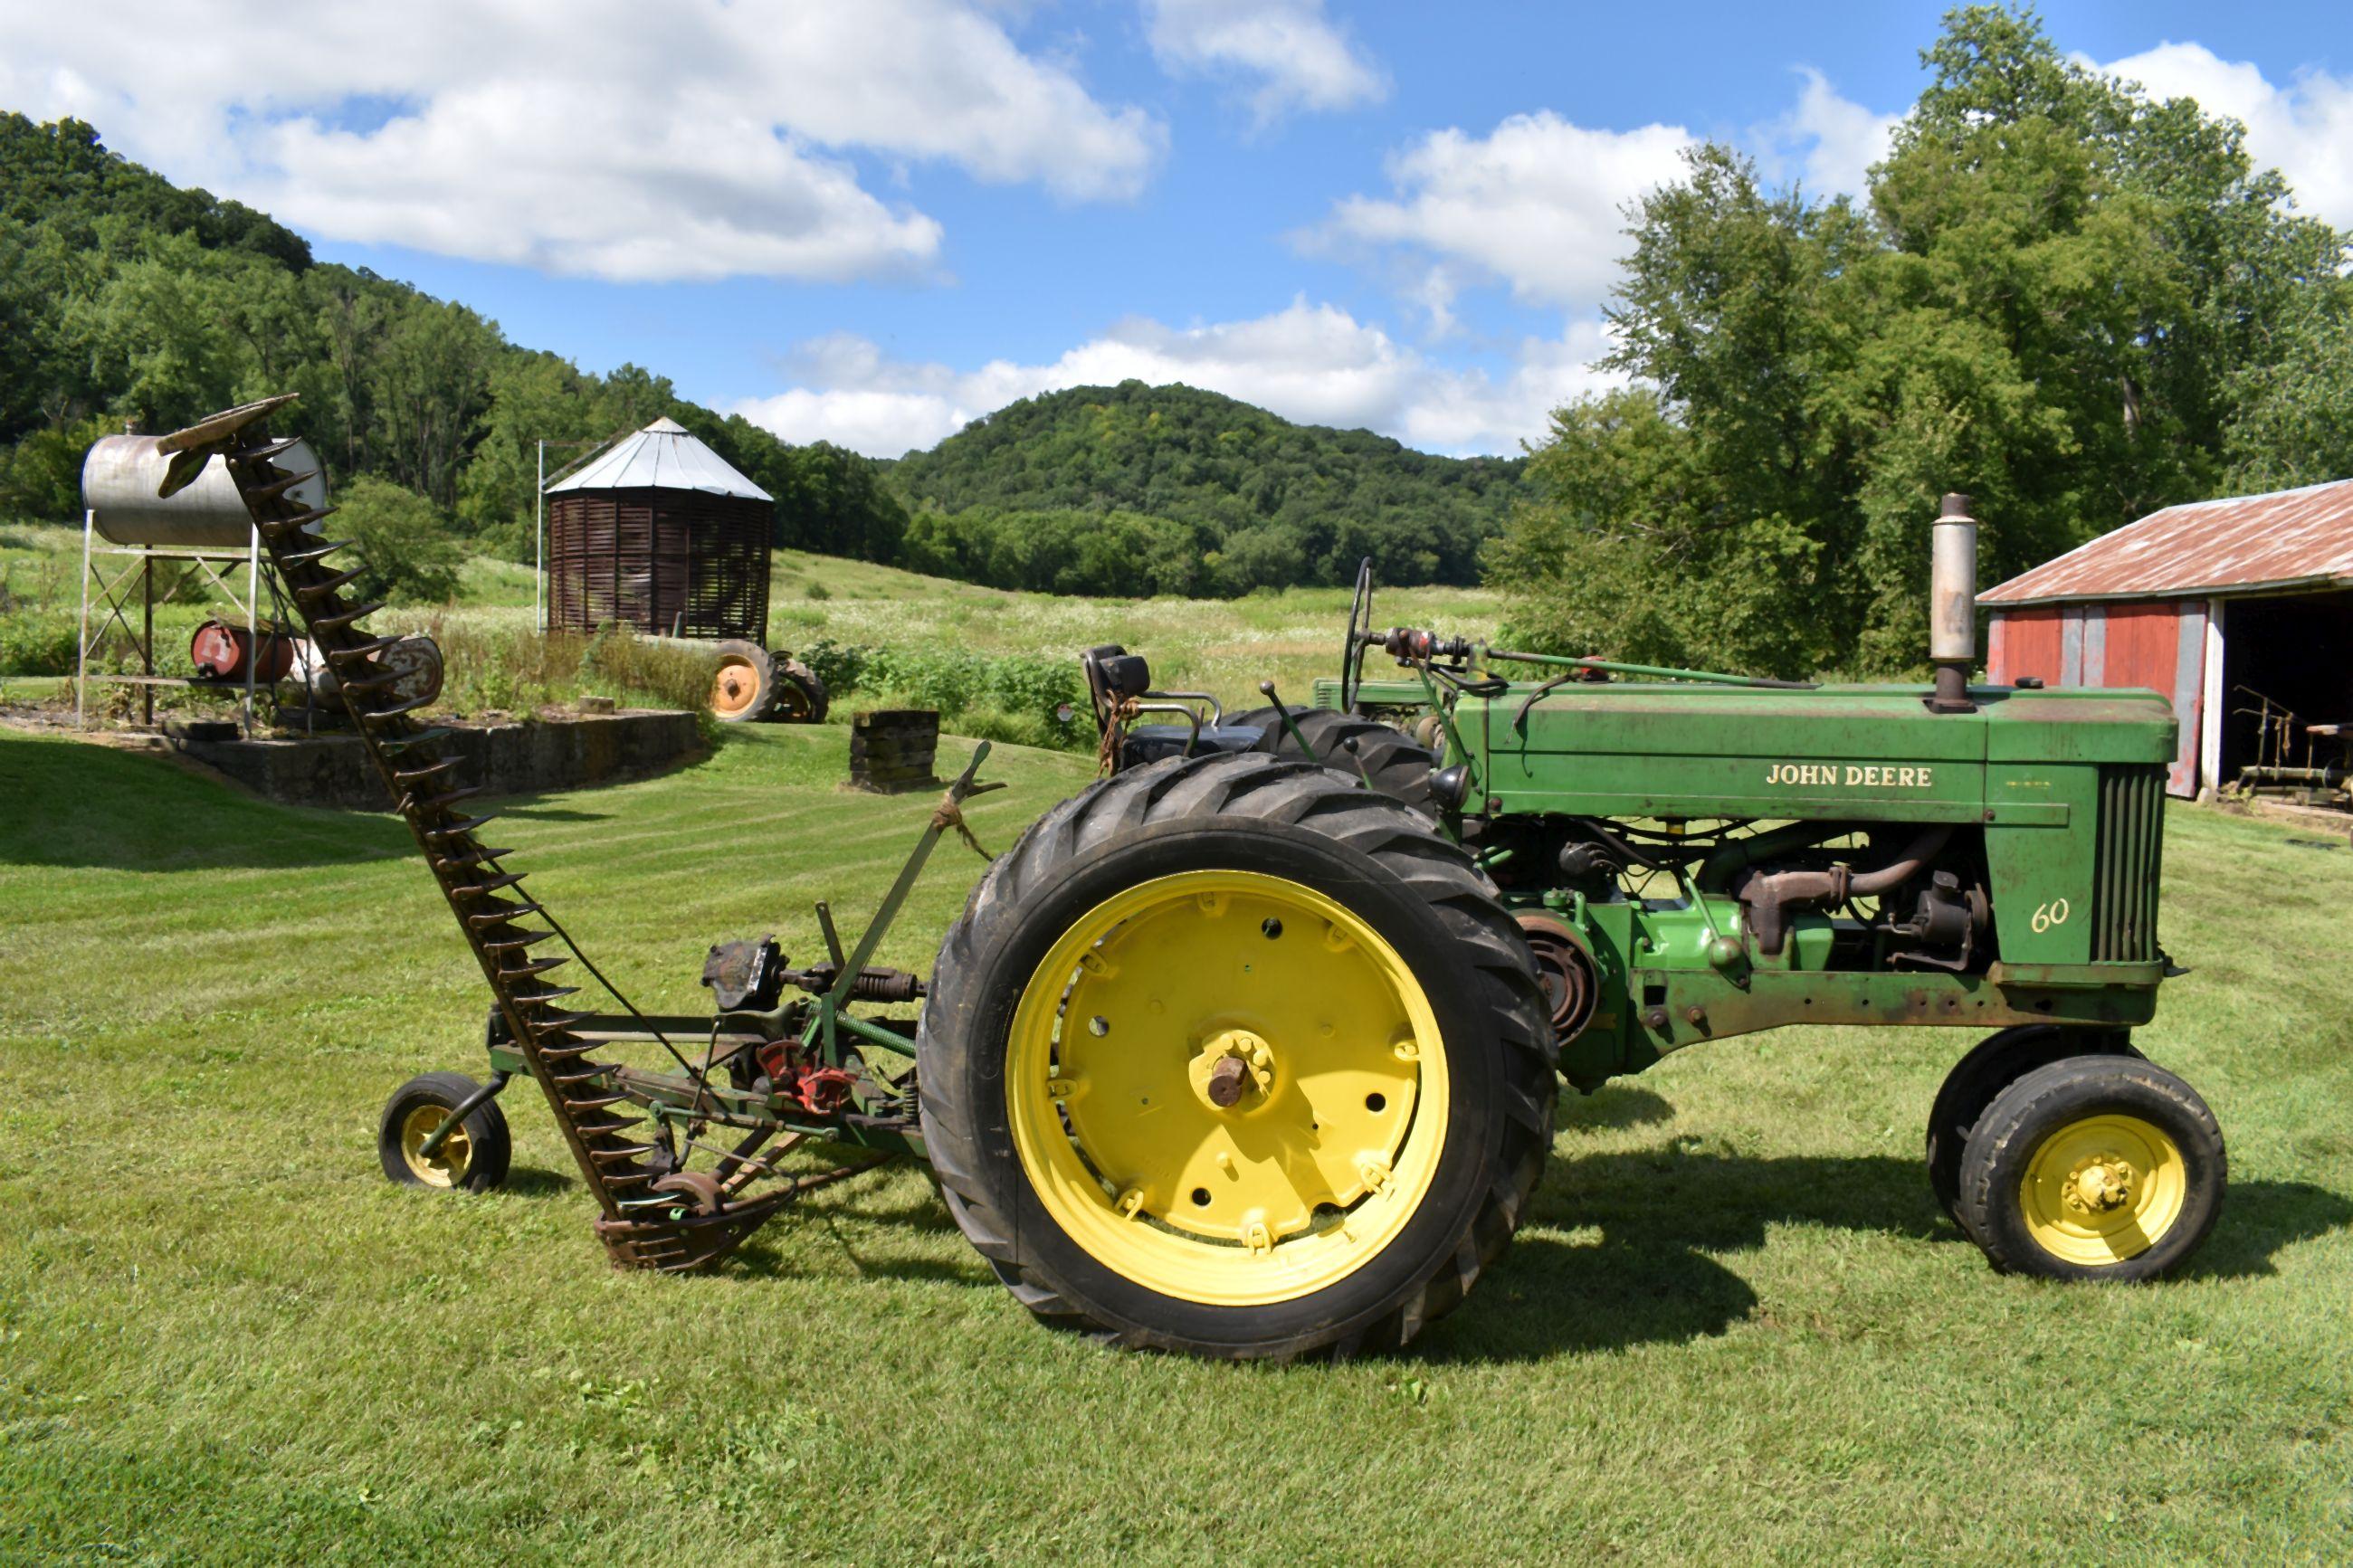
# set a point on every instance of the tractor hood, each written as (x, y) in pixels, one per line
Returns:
(1854, 752)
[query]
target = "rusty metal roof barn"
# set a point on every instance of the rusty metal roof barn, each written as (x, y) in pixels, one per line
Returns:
(2267, 543)
(2239, 610)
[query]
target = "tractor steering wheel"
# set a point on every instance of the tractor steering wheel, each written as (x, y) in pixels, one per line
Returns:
(1360, 616)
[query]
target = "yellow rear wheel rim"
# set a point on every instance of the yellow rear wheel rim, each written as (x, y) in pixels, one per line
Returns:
(737, 686)
(2103, 1189)
(1227, 1087)
(450, 1163)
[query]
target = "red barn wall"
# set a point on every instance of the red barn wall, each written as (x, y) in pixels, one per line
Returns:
(2160, 644)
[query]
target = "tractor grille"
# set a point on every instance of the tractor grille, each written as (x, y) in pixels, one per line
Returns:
(2132, 831)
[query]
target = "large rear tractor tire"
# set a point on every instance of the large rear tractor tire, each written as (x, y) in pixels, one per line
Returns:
(2093, 1168)
(1388, 760)
(1992, 1064)
(743, 690)
(1229, 1057)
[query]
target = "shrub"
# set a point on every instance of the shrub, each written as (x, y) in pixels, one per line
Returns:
(407, 555)
(841, 665)
(998, 697)
(37, 643)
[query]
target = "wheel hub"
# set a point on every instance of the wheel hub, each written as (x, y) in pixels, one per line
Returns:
(2101, 1184)
(446, 1167)
(2102, 1189)
(1234, 1071)
(1227, 1086)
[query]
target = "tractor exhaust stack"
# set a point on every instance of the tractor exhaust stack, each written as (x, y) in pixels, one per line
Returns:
(1952, 605)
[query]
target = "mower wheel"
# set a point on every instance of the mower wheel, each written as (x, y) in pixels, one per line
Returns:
(2106, 1168)
(1386, 759)
(1230, 1056)
(744, 688)
(1992, 1064)
(801, 697)
(473, 1157)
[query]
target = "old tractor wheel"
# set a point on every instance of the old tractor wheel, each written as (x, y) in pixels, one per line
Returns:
(473, 1156)
(1384, 758)
(744, 688)
(801, 697)
(1992, 1064)
(2093, 1168)
(1229, 1057)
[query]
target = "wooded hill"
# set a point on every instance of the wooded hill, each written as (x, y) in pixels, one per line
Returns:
(1081, 490)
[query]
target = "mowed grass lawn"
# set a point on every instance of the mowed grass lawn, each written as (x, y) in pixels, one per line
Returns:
(1735, 1330)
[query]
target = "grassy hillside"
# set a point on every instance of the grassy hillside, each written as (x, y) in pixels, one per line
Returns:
(1224, 646)
(1735, 1329)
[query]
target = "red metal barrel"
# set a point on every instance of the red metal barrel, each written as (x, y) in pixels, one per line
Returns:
(220, 651)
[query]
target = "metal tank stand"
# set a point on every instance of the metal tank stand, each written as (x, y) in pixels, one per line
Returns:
(124, 578)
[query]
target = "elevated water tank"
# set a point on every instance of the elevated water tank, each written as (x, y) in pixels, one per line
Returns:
(122, 474)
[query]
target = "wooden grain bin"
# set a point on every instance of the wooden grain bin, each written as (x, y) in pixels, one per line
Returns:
(662, 535)
(893, 750)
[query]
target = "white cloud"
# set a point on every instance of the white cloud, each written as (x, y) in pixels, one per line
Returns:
(1299, 58)
(700, 141)
(1539, 204)
(2305, 130)
(1833, 140)
(1315, 364)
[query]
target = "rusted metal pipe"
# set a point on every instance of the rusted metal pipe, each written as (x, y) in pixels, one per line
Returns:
(1769, 896)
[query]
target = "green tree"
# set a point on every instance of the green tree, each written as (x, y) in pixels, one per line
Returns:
(2072, 301)
(532, 397)
(2293, 422)
(407, 553)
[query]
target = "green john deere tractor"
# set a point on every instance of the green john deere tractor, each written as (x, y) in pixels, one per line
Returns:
(1250, 1049)
(1691, 855)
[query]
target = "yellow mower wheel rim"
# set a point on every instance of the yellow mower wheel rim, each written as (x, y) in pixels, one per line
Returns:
(2105, 1189)
(1227, 1087)
(735, 687)
(450, 1163)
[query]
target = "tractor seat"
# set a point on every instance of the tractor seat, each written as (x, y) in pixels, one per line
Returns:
(1151, 743)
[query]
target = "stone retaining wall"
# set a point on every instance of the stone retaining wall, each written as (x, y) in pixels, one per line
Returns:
(504, 759)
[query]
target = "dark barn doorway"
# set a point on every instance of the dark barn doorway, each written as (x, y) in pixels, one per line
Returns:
(2296, 651)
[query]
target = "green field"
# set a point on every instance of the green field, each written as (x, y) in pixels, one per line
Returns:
(1735, 1330)
(1223, 645)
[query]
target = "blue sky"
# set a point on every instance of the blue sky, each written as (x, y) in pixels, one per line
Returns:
(870, 222)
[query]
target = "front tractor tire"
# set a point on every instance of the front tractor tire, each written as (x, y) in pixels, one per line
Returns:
(801, 694)
(1229, 1056)
(1977, 1079)
(2093, 1168)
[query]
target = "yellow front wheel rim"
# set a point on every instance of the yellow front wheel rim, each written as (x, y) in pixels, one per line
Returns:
(1226, 1087)
(448, 1164)
(2103, 1189)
